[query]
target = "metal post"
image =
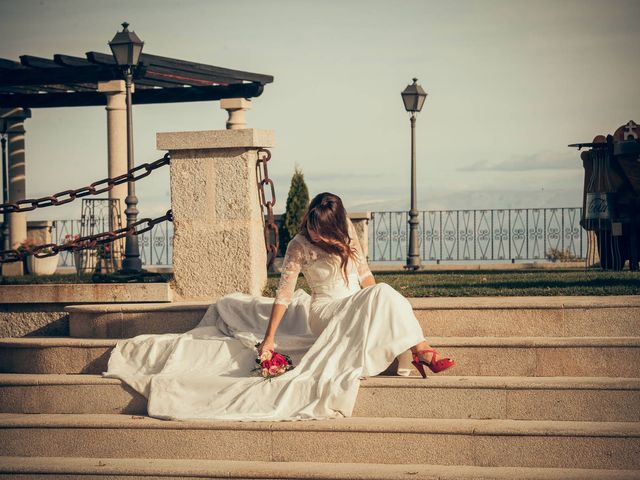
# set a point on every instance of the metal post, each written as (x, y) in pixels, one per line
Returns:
(131, 262)
(413, 257)
(5, 190)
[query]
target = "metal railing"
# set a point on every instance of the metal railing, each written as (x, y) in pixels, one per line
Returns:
(156, 245)
(480, 235)
(450, 235)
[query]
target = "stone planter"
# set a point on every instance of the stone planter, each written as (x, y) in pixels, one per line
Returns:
(85, 261)
(42, 266)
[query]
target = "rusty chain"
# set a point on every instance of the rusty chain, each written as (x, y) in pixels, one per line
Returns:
(58, 198)
(271, 237)
(82, 243)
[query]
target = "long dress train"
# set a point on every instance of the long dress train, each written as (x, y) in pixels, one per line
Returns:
(334, 337)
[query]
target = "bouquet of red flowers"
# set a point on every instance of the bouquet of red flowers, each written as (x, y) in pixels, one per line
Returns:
(271, 363)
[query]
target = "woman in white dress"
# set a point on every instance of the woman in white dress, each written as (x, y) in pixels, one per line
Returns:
(323, 250)
(348, 328)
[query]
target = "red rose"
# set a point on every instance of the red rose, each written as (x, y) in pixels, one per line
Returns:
(279, 360)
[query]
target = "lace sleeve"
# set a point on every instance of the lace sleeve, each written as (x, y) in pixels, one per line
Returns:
(361, 263)
(291, 266)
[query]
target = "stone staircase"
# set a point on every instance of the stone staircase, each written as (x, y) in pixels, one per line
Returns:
(544, 388)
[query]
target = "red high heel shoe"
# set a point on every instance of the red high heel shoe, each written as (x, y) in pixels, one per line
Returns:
(434, 365)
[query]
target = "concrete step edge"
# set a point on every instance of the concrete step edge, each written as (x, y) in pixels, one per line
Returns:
(452, 381)
(350, 424)
(138, 307)
(430, 303)
(50, 342)
(72, 342)
(290, 470)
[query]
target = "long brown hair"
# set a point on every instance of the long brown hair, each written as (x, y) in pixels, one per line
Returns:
(325, 225)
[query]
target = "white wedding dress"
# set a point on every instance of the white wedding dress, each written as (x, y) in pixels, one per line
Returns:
(334, 336)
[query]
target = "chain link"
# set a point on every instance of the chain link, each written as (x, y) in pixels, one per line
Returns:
(57, 199)
(82, 243)
(271, 237)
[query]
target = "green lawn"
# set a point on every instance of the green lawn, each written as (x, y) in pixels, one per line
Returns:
(30, 279)
(456, 283)
(478, 283)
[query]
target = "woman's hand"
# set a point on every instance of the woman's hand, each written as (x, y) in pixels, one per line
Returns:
(267, 344)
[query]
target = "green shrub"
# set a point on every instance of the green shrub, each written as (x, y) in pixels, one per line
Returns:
(557, 255)
(297, 203)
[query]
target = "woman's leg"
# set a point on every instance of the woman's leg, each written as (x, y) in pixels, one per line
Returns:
(426, 356)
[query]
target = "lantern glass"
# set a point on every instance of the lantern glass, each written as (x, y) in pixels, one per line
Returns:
(126, 47)
(413, 97)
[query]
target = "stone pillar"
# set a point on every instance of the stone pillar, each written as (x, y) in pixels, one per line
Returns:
(360, 222)
(236, 108)
(15, 118)
(218, 242)
(116, 108)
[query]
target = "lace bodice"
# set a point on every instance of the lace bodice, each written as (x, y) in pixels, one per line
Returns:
(321, 269)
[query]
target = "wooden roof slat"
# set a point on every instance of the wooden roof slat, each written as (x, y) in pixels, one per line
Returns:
(10, 64)
(176, 64)
(102, 58)
(185, 78)
(20, 89)
(150, 82)
(67, 80)
(70, 61)
(37, 62)
(140, 97)
(162, 72)
(197, 69)
(49, 76)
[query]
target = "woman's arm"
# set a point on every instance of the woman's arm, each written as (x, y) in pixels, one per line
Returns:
(277, 312)
(364, 273)
(291, 266)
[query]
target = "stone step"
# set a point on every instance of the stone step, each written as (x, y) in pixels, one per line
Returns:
(484, 356)
(82, 468)
(518, 398)
(496, 443)
(457, 317)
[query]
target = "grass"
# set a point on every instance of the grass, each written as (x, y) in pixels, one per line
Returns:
(58, 278)
(489, 283)
(454, 283)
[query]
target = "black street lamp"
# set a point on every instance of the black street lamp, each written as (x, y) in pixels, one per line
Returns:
(413, 97)
(4, 232)
(126, 47)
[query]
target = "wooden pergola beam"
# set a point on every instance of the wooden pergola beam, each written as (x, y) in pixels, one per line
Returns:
(139, 97)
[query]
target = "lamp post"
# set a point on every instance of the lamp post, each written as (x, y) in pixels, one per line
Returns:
(126, 47)
(413, 98)
(4, 233)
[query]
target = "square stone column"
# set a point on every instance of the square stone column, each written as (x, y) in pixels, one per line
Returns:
(218, 243)
(360, 222)
(16, 179)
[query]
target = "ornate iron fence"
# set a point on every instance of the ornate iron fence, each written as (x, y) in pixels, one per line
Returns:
(480, 235)
(156, 245)
(443, 235)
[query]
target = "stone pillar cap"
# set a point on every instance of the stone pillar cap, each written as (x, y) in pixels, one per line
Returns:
(360, 215)
(227, 103)
(215, 139)
(114, 86)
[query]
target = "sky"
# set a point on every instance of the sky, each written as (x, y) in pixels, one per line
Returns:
(510, 84)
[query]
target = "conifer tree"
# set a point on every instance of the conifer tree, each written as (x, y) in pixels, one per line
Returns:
(297, 203)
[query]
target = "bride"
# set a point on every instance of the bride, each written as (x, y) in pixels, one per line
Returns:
(348, 328)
